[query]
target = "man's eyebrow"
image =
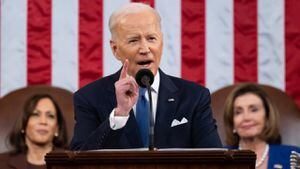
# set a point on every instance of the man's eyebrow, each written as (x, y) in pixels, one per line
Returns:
(153, 34)
(132, 36)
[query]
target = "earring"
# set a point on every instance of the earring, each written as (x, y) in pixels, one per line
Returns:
(22, 131)
(55, 134)
(234, 131)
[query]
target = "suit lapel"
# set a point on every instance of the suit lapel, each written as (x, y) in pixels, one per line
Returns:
(168, 97)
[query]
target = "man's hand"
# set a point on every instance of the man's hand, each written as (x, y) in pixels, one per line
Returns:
(127, 91)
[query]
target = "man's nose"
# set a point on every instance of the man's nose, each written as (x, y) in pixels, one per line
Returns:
(144, 47)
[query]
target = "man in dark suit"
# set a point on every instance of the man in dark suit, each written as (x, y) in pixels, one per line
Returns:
(105, 110)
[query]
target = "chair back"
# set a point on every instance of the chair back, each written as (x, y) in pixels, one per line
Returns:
(289, 120)
(11, 106)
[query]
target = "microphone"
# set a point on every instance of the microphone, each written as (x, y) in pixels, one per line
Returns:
(145, 78)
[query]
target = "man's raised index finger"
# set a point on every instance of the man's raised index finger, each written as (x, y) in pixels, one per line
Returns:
(124, 70)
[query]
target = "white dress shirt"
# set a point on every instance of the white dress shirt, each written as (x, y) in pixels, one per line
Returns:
(117, 122)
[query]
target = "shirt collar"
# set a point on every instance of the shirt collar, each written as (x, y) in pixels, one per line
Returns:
(155, 84)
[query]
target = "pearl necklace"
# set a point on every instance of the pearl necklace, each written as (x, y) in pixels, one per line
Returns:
(263, 158)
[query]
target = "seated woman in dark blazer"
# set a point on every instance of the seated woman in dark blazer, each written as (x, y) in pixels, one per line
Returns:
(39, 130)
(251, 122)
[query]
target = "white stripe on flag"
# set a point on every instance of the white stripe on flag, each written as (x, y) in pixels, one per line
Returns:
(110, 63)
(13, 45)
(219, 44)
(271, 60)
(65, 44)
(170, 12)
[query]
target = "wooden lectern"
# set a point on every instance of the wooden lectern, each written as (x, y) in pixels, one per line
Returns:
(158, 159)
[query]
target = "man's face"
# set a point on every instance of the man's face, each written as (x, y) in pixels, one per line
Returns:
(138, 38)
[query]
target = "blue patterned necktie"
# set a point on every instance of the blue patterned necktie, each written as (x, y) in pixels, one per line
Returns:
(142, 116)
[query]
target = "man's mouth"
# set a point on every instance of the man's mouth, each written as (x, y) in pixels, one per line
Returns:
(144, 63)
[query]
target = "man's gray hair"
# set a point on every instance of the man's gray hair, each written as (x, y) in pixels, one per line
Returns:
(129, 9)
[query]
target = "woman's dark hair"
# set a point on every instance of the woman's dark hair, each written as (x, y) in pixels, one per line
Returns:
(270, 132)
(17, 135)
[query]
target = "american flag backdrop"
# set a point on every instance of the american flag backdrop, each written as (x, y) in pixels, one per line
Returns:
(216, 43)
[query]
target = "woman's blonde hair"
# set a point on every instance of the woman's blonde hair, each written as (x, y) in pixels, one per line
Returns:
(270, 133)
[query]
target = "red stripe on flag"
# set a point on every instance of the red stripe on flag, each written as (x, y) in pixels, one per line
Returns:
(149, 2)
(245, 40)
(292, 48)
(90, 41)
(39, 42)
(193, 40)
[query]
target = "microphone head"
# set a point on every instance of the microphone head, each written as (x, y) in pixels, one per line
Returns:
(144, 78)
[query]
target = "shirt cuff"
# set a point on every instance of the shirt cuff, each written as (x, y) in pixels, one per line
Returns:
(117, 122)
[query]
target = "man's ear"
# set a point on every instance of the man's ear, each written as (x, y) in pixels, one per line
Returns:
(114, 49)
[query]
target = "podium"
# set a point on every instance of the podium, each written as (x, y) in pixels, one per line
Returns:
(158, 159)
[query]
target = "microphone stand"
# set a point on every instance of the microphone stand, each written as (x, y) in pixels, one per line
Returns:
(151, 127)
(145, 78)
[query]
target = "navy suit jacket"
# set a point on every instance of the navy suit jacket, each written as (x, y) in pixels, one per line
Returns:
(94, 103)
